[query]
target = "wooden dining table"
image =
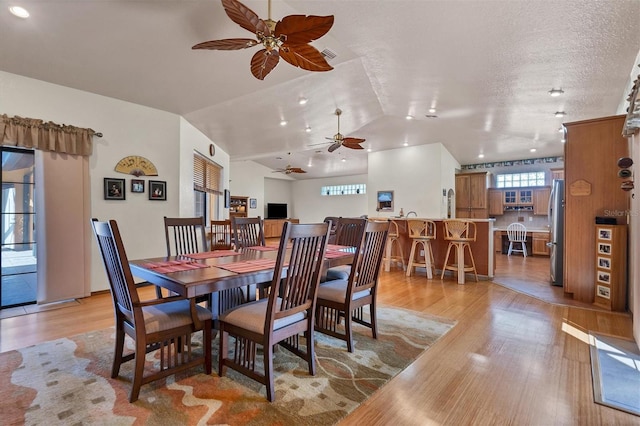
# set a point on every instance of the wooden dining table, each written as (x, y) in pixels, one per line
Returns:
(199, 274)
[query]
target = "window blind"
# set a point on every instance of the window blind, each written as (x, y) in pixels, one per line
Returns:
(206, 175)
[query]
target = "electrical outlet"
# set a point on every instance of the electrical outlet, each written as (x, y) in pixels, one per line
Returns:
(531, 219)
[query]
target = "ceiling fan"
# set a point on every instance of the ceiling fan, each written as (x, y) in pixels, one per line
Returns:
(339, 139)
(288, 170)
(287, 39)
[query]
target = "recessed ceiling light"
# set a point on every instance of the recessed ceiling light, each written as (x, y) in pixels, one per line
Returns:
(432, 110)
(406, 144)
(481, 156)
(532, 150)
(302, 101)
(368, 149)
(283, 122)
(560, 130)
(556, 92)
(560, 114)
(307, 129)
(563, 140)
(409, 117)
(343, 160)
(20, 12)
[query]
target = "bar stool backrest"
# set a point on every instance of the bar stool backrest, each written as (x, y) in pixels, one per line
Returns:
(421, 228)
(459, 230)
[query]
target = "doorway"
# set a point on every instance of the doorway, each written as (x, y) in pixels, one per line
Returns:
(18, 256)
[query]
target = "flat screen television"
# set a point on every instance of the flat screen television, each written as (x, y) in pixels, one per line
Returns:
(277, 211)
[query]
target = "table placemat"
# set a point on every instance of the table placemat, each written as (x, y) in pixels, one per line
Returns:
(334, 247)
(212, 254)
(332, 254)
(173, 266)
(249, 265)
(262, 248)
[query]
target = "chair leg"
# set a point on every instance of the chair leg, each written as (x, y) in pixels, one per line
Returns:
(410, 264)
(348, 321)
(510, 248)
(524, 248)
(268, 371)
(206, 341)
(473, 263)
(374, 319)
(446, 261)
(222, 354)
(138, 370)
(311, 357)
(397, 241)
(428, 258)
(119, 347)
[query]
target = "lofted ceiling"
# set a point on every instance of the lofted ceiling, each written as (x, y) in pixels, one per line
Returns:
(486, 66)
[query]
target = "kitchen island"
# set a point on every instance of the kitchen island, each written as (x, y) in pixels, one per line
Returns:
(483, 249)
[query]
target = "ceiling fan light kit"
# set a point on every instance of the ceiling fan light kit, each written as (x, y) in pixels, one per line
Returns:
(288, 39)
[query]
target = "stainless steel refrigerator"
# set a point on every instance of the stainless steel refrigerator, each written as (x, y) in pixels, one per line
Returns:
(556, 229)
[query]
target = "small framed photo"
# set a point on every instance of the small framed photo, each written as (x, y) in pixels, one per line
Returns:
(604, 262)
(604, 234)
(158, 190)
(253, 203)
(114, 189)
(604, 292)
(604, 277)
(137, 186)
(227, 199)
(604, 248)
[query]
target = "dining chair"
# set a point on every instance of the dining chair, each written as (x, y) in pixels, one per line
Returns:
(348, 233)
(165, 324)
(220, 235)
(284, 315)
(248, 232)
(332, 232)
(346, 299)
(517, 233)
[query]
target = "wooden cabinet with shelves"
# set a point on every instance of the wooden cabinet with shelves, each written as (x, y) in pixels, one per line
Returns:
(541, 201)
(273, 227)
(472, 195)
(539, 242)
(496, 204)
(238, 206)
(611, 267)
(518, 197)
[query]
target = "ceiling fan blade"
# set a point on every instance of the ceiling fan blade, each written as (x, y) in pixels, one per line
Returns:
(304, 56)
(301, 29)
(335, 146)
(227, 44)
(263, 62)
(245, 17)
(353, 140)
(352, 145)
(296, 170)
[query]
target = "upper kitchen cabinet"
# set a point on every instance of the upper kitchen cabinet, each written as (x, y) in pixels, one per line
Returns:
(541, 201)
(472, 195)
(557, 174)
(496, 202)
(592, 189)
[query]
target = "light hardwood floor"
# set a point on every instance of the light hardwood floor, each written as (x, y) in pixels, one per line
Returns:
(511, 359)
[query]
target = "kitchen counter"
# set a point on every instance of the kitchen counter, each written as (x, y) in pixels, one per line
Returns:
(483, 249)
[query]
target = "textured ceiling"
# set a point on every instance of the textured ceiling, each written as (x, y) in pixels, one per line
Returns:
(486, 66)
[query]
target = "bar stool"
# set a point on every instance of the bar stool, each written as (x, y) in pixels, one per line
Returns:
(421, 232)
(459, 233)
(393, 238)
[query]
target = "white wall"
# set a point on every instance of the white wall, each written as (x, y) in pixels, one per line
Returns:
(448, 166)
(416, 174)
(278, 191)
(247, 178)
(312, 207)
(128, 129)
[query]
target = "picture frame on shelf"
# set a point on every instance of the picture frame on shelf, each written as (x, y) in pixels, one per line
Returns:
(137, 186)
(253, 203)
(157, 190)
(114, 189)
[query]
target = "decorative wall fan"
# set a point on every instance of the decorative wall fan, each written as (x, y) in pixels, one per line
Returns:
(287, 39)
(339, 139)
(288, 170)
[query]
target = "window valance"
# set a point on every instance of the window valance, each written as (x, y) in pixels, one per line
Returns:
(36, 134)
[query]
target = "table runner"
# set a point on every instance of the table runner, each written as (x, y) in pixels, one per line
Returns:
(173, 266)
(250, 265)
(262, 248)
(212, 254)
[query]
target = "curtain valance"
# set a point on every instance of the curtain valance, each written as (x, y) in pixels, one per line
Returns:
(36, 134)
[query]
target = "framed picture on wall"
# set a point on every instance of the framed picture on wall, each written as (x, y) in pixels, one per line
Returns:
(604, 233)
(114, 189)
(137, 186)
(604, 248)
(604, 262)
(604, 292)
(157, 190)
(253, 203)
(604, 277)
(385, 201)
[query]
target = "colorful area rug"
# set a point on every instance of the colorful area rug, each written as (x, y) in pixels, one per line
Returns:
(67, 381)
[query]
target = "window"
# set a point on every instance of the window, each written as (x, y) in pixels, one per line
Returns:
(520, 180)
(354, 189)
(207, 186)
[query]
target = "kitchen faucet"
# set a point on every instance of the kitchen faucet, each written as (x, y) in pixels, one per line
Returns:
(414, 213)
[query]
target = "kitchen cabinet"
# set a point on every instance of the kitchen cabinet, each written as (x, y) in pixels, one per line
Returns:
(539, 242)
(238, 206)
(541, 201)
(518, 197)
(472, 195)
(592, 188)
(611, 267)
(557, 174)
(496, 202)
